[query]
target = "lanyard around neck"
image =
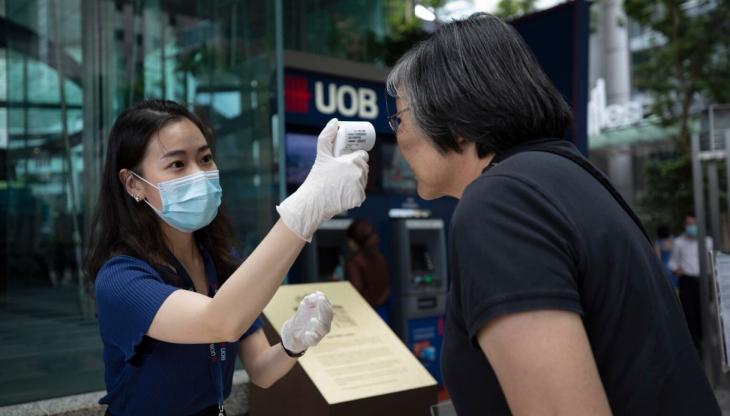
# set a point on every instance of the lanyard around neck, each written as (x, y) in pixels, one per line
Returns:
(216, 359)
(218, 351)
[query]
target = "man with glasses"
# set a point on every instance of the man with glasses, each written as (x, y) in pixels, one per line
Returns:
(557, 303)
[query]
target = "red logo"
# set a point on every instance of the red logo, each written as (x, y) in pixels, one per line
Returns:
(296, 94)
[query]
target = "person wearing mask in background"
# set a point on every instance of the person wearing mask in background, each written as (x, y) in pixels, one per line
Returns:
(366, 268)
(663, 245)
(557, 303)
(685, 264)
(175, 304)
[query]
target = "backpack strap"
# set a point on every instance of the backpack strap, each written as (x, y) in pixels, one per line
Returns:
(542, 146)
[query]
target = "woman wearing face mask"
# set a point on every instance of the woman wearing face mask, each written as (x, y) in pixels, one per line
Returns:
(175, 304)
(684, 263)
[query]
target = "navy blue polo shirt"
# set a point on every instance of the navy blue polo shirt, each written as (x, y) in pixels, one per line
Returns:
(145, 376)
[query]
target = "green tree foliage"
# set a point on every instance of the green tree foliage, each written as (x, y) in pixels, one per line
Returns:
(690, 57)
(508, 9)
(405, 29)
(668, 195)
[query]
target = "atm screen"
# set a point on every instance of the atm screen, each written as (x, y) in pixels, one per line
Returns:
(301, 150)
(421, 258)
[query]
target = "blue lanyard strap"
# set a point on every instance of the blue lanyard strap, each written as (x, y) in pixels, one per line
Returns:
(216, 359)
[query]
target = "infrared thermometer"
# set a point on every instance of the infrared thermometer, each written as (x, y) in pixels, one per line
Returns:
(354, 135)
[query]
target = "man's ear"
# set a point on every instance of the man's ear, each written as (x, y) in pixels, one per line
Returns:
(466, 145)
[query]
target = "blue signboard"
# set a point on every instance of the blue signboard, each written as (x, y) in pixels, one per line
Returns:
(559, 39)
(425, 339)
(311, 99)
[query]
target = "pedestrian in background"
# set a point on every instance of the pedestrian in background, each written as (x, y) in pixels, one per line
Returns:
(366, 267)
(663, 245)
(685, 264)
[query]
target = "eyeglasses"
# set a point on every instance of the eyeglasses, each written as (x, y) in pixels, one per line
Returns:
(394, 121)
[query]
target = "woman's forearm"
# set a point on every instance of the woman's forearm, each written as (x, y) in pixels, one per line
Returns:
(270, 366)
(250, 288)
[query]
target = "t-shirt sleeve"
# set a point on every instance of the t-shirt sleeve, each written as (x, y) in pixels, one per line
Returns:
(129, 292)
(255, 326)
(514, 252)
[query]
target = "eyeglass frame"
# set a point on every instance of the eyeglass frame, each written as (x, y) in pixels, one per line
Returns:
(394, 119)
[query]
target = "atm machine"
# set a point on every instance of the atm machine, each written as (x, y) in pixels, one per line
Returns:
(419, 278)
(323, 259)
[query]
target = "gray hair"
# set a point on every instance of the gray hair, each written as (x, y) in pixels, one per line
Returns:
(476, 79)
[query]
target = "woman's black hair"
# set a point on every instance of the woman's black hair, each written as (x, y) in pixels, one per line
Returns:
(362, 233)
(476, 79)
(663, 232)
(120, 225)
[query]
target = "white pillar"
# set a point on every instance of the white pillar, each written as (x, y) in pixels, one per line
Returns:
(614, 31)
(614, 26)
(621, 171)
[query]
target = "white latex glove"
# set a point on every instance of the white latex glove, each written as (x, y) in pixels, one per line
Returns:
(334, 185)
(311, 322)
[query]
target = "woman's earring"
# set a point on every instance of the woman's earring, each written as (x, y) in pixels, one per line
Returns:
(137, 198)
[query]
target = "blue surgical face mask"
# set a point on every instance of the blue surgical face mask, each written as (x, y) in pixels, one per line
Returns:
(189, 203)
(691, 230)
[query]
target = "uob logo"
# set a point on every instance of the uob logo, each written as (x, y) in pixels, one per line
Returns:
(346, 100)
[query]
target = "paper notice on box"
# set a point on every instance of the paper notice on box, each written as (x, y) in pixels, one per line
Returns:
(361, 357)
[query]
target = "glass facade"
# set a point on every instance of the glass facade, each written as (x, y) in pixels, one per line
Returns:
(67, 69)
(354, 30)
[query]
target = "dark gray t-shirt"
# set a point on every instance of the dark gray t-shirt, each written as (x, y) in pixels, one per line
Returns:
(539, 232)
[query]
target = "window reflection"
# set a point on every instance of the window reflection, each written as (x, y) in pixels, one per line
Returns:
(67, 69)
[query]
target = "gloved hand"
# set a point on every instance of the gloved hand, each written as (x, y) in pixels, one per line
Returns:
(311, 322)
(334, 185)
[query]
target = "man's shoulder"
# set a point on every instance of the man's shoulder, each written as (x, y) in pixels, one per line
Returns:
(496, 202)
(484, 192)
(684, 240)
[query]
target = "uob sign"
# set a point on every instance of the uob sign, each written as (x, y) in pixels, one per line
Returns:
(311, 99)
(346, 100)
